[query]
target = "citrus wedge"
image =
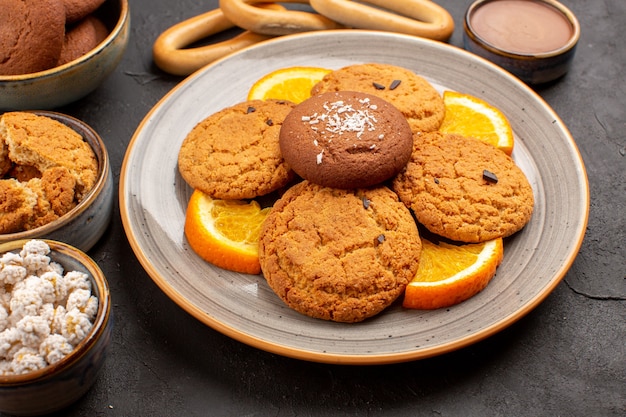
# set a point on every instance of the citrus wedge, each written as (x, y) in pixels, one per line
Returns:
(225, 232)
(449, 274)
(292, 83)
(470, 116)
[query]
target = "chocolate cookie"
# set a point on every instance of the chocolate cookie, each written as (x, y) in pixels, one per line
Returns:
(420, 103)
(235, 154)
(76, 10)
(82, 38)
(463, 189)
(31, 35)
(340, 255)
(346, 139)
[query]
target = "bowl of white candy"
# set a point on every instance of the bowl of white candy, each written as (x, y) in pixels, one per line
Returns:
(55, 325)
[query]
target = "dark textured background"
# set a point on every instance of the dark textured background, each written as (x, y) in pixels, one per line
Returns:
(567, 357)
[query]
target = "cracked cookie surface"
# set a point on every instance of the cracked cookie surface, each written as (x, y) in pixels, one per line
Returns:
(76, 10)
(31, 35)
(340, 255)
(41, 142)
(235, 154)
(47, 169)
(464, 189)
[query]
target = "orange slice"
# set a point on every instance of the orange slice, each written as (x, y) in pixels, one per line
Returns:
(449, 274)
(292, 83)
(225, 232)
(470, 116)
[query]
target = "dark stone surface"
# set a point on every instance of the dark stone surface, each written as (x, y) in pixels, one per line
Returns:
(567, 357)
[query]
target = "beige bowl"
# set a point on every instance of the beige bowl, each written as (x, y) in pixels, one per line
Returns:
(82, 226)
(62, 383)
(64, 84)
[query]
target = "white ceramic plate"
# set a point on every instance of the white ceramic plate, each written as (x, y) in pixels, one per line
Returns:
(153, 198)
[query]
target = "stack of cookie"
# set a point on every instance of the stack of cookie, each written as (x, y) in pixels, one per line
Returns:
(342, 243)
(38, 35)
(46, 169)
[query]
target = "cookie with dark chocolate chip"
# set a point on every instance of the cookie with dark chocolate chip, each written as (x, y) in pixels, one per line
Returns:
(234, 153)
(417, 99)
(463, 189)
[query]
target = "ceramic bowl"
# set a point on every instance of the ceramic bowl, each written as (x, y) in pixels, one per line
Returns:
(62, 383)
(533, 68)
(82, 226)
(64, 84)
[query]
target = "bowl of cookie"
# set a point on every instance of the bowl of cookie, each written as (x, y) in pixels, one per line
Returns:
(55, 179)
(58, 51)
(55, 325)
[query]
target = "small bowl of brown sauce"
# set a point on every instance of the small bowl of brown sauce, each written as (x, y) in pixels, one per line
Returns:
(533, 39)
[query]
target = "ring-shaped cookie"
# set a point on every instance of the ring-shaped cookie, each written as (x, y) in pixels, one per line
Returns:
(169, 52)
(247, 14)
(422, 18)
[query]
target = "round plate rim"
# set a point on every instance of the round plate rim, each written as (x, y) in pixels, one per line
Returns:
(329, 357)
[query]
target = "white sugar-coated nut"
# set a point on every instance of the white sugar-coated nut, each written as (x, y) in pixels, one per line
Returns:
(27, 360)
(36, 327)
(57, 283)
(4, 318)
(54, 348)
(9, 343)
(24, 302)
(76, 326)
(77, 280)
(11, 274)
(33, 330)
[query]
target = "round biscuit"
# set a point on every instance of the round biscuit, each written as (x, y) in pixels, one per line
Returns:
(339, 255)
(464, 189)
(31, 35)
(234, 153)
(417, 99)
(76, 10)
(346, 139)
(81, 38)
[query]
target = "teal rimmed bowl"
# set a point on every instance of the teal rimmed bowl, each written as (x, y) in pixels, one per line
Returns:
(70, 82)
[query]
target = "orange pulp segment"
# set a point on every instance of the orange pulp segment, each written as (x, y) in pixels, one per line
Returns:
(292, 83)
(449, 274)
(225, 232)
(470, 116)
